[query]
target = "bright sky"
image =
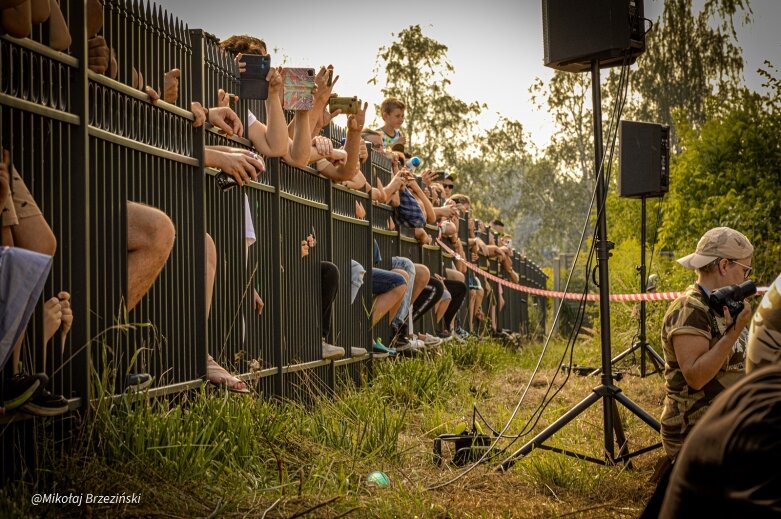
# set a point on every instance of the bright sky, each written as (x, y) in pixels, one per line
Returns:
(494, 45)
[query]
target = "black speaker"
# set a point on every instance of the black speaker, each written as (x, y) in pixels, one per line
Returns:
(577, 32)
(644, 151)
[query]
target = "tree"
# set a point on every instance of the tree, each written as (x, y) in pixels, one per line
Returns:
(730, 174)
(688, 59)
(438, 126)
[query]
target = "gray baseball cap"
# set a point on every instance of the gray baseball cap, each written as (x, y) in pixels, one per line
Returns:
(719, 242)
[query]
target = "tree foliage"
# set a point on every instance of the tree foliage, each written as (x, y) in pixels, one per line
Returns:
(438, 125)
(689, 59)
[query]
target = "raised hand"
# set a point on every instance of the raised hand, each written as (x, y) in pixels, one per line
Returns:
(356, 121)
(275, 84)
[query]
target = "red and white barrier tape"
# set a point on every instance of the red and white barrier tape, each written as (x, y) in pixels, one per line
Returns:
(648, 296)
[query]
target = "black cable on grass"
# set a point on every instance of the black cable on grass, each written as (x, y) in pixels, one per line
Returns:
(612, 127)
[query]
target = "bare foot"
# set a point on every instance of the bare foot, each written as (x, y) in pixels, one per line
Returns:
(67, 317)
(52, 318)
(218, 376)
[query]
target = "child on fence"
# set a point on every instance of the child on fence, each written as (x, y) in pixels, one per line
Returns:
(392, 113)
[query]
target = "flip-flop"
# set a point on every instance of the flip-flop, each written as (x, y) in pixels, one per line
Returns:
(220, 377)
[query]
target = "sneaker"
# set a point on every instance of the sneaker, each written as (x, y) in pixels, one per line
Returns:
(429, 340)
(138, 381)
(17, 390)
(445, 335)
(44, 403)
(358, 352)
(408, 346)
(380, 350)
(461, 333)
(331, 352)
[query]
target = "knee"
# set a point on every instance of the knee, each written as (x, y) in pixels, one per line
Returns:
(403, 274)
(151, 228)
(164, 234)
(329, 272)
(422, 274)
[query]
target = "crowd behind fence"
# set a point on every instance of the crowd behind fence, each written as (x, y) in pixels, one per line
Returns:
(86, 145)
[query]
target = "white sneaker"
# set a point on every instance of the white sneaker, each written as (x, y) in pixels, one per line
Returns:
(331, 352)
(355, 351)
(429, 340)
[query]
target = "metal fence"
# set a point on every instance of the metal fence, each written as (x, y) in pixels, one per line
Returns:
(90, 147)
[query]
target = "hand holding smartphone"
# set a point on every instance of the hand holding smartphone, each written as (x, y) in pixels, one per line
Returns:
(253, 81)
(348, 105)
(299, 84)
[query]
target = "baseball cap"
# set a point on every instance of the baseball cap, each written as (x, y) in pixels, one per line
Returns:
(719, 242)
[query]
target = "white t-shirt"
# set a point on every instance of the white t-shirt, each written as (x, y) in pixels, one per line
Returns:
(249, 228)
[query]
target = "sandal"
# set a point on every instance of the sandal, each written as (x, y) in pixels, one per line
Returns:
(219, 376)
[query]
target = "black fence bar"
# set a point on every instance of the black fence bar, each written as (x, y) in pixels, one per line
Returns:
(95, 152)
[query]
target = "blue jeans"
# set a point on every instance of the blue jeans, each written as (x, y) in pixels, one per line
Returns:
(385, 281)
(397, 262)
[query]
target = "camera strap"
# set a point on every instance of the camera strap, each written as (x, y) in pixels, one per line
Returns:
(714, 325)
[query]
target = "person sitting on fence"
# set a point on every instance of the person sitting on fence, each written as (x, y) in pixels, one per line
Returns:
(392, 113)
(497, 249)
(24, 226)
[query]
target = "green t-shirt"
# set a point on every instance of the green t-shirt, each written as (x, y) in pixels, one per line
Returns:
(764, 340)
(684, 405)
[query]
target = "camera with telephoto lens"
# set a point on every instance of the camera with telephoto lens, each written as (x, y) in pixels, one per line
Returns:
(732, 297)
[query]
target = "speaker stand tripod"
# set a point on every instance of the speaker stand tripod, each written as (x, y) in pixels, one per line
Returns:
(642, 345)
(607, 392)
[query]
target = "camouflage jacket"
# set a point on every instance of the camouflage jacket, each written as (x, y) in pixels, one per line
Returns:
(684, 405)
(764, 343)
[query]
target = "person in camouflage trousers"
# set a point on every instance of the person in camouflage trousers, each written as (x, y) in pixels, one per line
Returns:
(704, 353)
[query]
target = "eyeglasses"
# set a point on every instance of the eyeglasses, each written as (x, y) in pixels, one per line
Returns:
(747, 270)
(447, 186)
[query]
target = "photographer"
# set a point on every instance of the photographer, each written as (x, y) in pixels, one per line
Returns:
(704, 352)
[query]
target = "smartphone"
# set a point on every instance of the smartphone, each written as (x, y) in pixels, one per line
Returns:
(299, 83)
(225, 181)
(348, 105)
(253, 82)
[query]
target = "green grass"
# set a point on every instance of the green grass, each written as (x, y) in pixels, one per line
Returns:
(216, 454)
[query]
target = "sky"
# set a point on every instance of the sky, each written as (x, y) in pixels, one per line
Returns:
(494, 45)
